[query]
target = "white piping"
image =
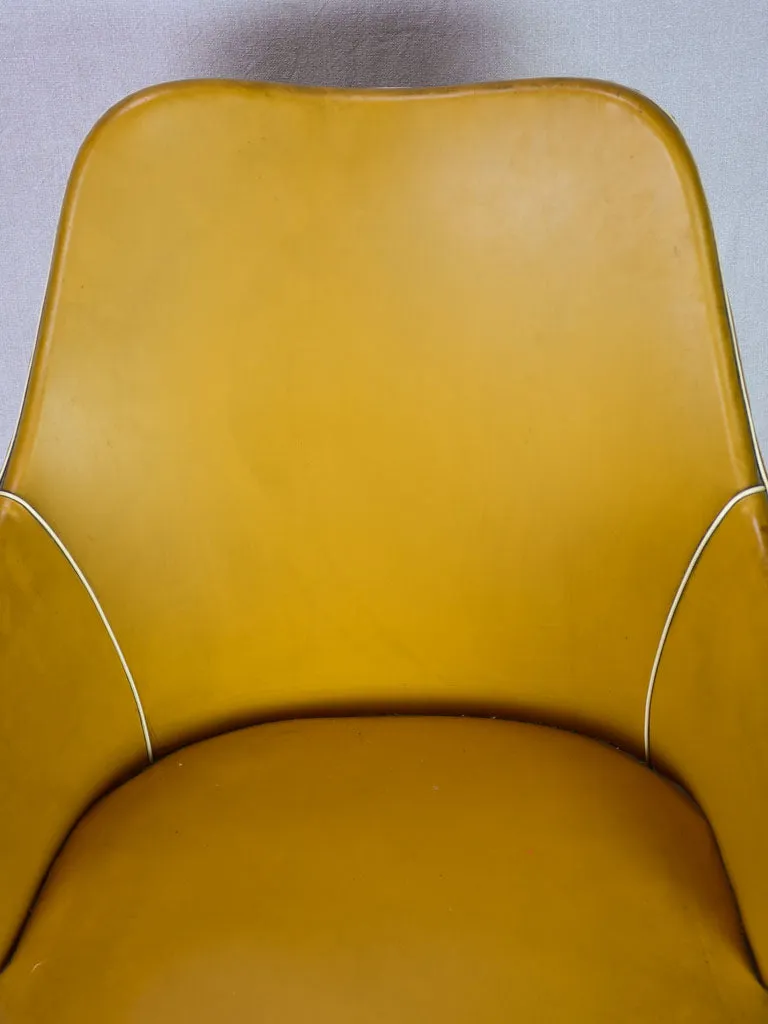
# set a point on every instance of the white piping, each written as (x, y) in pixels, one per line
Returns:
(743, 385)
(757, 489)
(89, 590)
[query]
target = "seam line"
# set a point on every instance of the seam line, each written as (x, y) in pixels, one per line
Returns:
(695, 557)
(89, 590)
(744, 394)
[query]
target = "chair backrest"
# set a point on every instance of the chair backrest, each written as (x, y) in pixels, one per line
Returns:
(396, 401)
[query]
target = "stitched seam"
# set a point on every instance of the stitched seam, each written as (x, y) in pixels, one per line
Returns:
(97, 605)
(709, 533)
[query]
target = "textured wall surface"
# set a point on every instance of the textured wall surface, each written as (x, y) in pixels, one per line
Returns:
(62, 64)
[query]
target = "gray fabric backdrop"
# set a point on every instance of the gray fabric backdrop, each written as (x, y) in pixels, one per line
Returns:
(63, 62)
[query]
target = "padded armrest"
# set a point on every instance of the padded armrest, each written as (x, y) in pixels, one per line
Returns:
(68, 726)
(709, 725)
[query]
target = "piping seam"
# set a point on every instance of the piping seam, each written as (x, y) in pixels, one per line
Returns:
(89, 590)
(695, 557)
(744, 394)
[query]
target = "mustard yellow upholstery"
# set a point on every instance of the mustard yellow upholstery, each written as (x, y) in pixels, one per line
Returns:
(68, 722)
(710, 711)
(360, 403)
(388, 869)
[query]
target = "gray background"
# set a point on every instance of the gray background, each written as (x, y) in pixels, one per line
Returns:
(63, 62)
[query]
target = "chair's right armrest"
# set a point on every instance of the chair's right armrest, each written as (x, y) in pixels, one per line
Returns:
(709, 721)
(68, 723)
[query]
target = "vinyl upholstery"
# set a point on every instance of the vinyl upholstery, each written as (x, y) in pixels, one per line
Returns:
(347, 397)
(388, 869)
(410, 402)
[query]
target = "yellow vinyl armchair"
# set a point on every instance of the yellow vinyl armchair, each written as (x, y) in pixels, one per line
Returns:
(383, 575)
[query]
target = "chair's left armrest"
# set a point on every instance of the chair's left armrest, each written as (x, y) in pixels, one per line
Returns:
(68, 724)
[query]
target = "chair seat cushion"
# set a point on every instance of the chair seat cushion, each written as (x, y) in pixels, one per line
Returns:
(387, 870)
